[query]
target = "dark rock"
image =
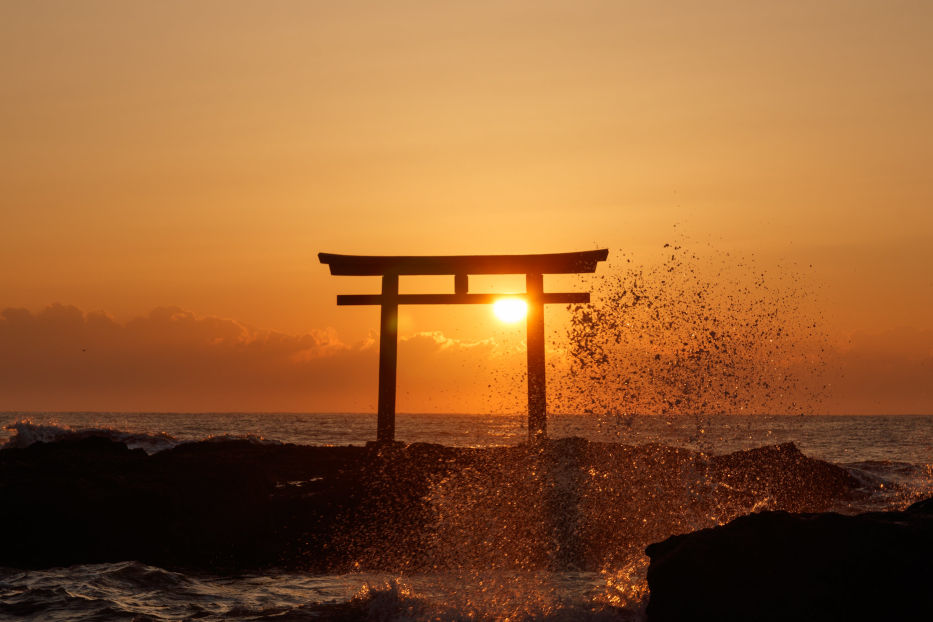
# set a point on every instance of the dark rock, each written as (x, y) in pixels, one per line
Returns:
(238, 505)
(780, 566)
(922, 507)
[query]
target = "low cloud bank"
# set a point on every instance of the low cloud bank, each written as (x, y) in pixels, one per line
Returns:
(62, 358)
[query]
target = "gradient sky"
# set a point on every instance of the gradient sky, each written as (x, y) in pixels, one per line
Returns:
(196, 156)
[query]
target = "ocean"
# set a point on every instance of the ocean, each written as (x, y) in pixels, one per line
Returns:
(891, 455)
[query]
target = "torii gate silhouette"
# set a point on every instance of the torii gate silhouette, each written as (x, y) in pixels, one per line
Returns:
(534, 267)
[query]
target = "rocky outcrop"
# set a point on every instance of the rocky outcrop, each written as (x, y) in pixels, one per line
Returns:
(239, 505)
(781, 566)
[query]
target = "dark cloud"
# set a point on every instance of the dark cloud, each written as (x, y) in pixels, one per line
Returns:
(64, 359)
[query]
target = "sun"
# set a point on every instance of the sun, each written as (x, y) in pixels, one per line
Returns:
(510, 309)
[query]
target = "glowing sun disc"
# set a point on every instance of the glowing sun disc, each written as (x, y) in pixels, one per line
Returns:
(510, 309)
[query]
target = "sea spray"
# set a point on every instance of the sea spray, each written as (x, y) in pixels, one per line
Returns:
(573, 505)
(690, 335)
(693, 334)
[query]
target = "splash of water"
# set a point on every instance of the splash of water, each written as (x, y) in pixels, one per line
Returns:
(689, 335)
(695, 335)
(516, 597)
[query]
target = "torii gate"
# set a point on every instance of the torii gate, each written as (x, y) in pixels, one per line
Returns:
(534, 267)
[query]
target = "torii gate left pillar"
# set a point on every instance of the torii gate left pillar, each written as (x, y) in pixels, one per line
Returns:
(461, 266)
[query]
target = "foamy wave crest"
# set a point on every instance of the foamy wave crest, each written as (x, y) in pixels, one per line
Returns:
(25, 433)
(131, 590)
(892, 484)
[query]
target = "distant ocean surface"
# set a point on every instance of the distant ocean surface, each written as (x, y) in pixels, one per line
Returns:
(895, 449)
(839, 439)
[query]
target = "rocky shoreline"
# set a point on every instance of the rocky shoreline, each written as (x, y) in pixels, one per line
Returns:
(239, 506)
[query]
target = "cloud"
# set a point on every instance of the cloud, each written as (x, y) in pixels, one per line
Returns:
(62, 358)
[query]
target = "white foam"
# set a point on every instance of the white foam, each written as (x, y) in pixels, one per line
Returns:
(26, 433)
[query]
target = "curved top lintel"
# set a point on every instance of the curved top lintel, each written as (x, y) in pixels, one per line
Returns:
(550, 263)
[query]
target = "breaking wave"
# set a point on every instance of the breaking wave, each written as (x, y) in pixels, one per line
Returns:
(25, 433)
(135, 591)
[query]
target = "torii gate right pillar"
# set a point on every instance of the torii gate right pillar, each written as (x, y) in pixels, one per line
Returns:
(388, 357)
(537, 383)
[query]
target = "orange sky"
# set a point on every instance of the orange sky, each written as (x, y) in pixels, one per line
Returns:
(198, 156)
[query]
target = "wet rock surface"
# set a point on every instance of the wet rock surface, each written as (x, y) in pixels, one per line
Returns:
(226, 506)
(783, 566)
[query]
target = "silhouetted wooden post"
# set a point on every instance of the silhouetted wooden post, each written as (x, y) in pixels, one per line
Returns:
(534, 267)
(388, 357)
(537, 382)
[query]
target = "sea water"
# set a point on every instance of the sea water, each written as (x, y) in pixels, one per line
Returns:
(897, 450)
(839, 439)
